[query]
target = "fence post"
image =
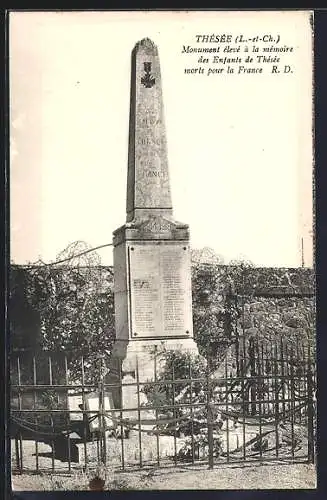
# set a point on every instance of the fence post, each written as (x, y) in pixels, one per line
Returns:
(18, 458)
(102, 422)
(253, 382)
(311, 450)
(19, 445)
(209, 418)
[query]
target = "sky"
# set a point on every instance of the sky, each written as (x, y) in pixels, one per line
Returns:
(239, 146)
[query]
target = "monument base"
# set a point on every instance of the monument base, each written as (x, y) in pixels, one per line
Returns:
(142, 361)
(147, 356)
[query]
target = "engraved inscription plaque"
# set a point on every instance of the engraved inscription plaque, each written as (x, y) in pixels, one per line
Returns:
(160, 284)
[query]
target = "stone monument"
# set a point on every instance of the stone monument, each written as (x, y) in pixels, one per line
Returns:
(152, 264)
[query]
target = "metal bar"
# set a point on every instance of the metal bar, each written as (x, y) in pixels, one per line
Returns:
(251, 460)
(292, 401)
(98, 449)
(67, 415)
(122, 431)
(34, 371)
(51, 418)
(31, 387)
(237, 341)
(288, 380)
(84, 414)
(269, 378)
(276, 397)
(18, 371)
(20, 453)
(100, 430)
(174, 415)
(139, 410)
(311, 450)
(282, 374)
(209, 417)
(243, 413)
(252, 375)
(262, 371)
(99, 417)
(53, 386)
(152, 407)
(299, 370)
(192, 409)
(227, 420)
(243, 374)
(302, 383)
(17, 455)
(156, 410)
(103, 418)
(243, 315)
(50, 371)
(52, 445)
(35, 418)
(260, 397)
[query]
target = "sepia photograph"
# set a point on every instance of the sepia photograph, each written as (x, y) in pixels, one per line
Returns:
(162, 303)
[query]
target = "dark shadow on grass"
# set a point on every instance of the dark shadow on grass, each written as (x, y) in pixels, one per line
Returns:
(157, 471)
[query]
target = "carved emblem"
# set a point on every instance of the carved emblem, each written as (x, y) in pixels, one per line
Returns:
(148, 80)
(157, 225)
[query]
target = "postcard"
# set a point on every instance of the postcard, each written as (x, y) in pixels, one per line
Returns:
(162, 298)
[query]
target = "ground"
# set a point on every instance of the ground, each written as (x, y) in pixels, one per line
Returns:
(278, 474)
(224, 477)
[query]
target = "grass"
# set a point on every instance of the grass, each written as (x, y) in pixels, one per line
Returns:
(255, 475)
(224, 477)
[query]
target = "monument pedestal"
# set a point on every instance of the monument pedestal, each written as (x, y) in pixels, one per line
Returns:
(153, 298)
(147, 356)
(142, 361)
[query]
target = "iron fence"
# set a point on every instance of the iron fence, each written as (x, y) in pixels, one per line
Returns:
(261, 408)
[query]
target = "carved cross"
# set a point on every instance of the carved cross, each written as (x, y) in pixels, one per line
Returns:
(147, 80)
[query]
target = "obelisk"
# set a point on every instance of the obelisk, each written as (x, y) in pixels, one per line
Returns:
(152, 265)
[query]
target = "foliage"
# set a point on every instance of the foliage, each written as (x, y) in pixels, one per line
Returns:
(178, 366)
(199, 445)
(75, 305)
(240, 300)
(216, 309)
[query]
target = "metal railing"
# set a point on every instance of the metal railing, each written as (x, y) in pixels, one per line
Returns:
(263, 411)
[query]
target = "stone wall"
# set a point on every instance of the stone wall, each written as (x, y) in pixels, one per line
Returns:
(274, 301)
